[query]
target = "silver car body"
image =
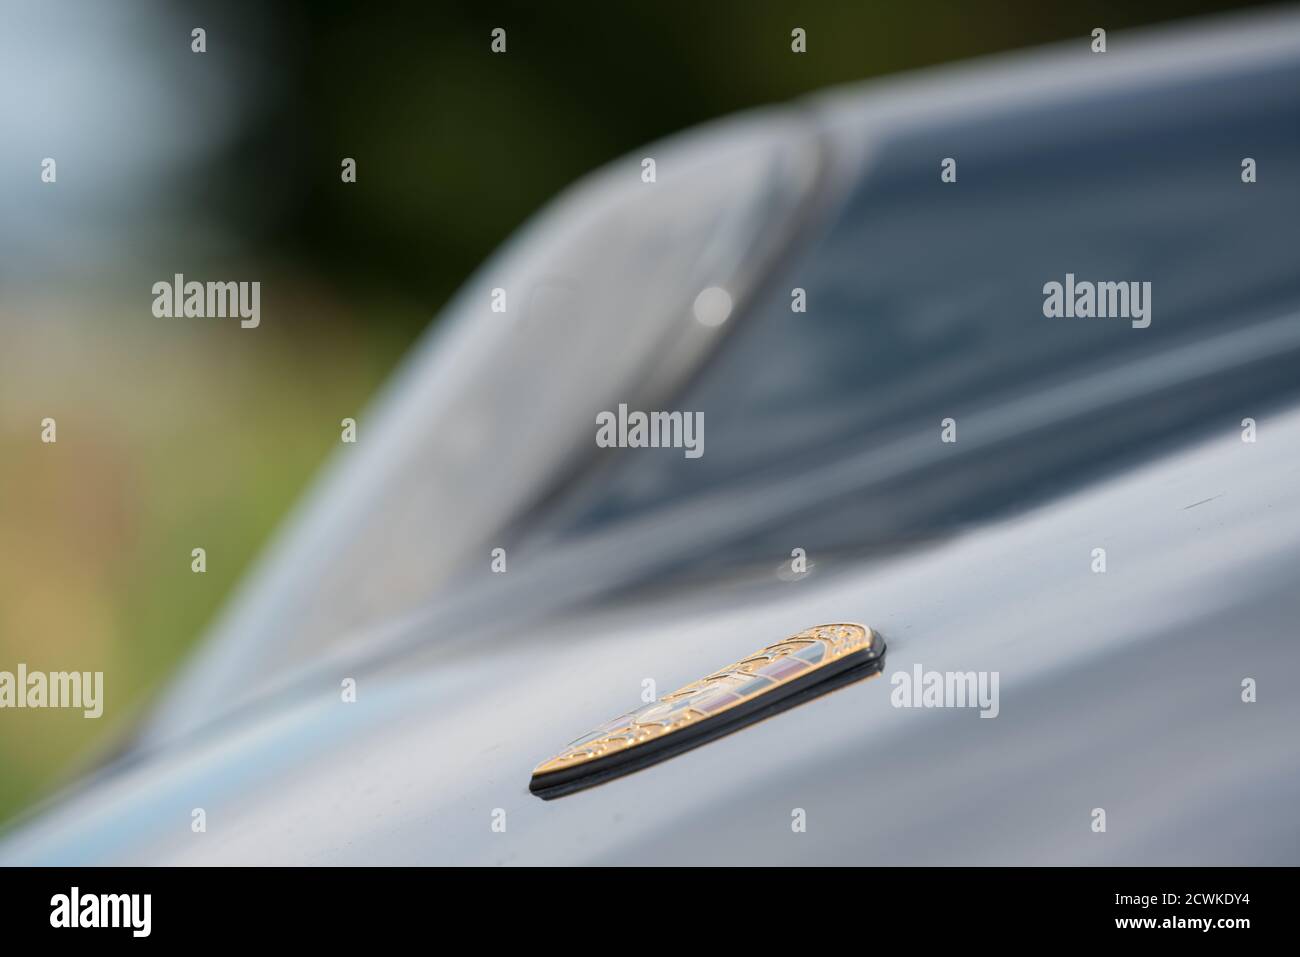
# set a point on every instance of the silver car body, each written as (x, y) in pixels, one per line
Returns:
(1120, 691)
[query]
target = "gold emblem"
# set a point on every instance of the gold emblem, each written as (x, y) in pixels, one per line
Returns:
(778, 676)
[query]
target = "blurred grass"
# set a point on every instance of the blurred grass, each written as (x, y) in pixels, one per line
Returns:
(201, 437)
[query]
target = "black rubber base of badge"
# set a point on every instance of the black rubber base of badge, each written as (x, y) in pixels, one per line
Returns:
(861, 664)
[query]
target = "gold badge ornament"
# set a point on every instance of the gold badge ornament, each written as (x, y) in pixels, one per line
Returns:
(772, 679)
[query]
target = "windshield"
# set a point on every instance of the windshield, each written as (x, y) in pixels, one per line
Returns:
(925, 303)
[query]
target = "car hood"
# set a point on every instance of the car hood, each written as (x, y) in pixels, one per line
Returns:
(1119, 690)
